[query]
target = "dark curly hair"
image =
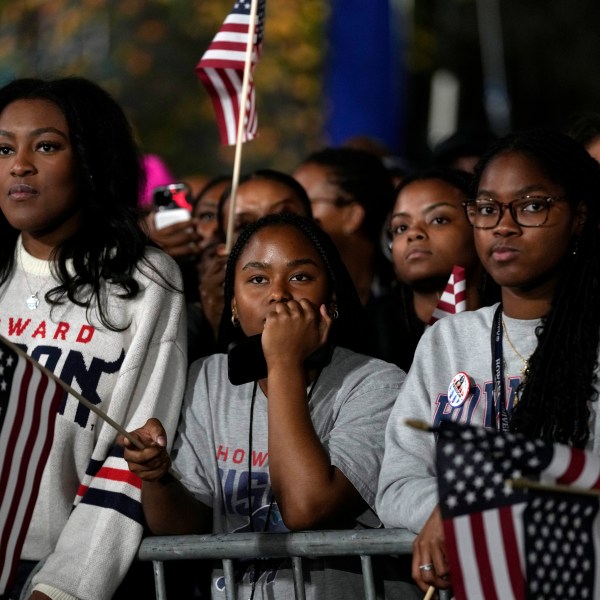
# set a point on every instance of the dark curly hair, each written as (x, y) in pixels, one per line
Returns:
(348, 328)
(110, 242)
(562, 371)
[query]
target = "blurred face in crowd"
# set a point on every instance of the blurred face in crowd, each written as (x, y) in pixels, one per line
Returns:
(205, 210)
(332, 208)
(257, 198)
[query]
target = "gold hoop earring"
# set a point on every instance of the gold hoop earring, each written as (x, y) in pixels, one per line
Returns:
(335, 313)
(234, 320)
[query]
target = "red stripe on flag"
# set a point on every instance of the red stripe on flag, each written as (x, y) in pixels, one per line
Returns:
(10, 502)
(574, 468)
(453, 299)
(31, 405)
(235, 27)
(225, 58)
(512, 553)
(46, 445)
(446, 307)
(456, 574)
(480, 543)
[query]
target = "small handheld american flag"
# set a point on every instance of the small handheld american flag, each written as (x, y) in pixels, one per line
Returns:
(29, 402)
(221, 70)
(454, 298)
(518, 543)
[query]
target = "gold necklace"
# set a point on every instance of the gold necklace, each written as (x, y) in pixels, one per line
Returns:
(525, 370)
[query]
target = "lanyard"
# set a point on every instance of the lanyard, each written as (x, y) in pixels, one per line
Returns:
(499, 410)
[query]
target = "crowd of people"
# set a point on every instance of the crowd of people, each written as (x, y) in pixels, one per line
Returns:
(266, 353)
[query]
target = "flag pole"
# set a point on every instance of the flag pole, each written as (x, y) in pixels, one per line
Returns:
(418, 424)
(430, 592)
(523, 484)
(240, 129)
(70, 390)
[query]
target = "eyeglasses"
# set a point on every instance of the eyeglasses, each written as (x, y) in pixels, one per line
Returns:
(527, 211)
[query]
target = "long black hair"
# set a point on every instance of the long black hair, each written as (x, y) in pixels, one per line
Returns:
(348, 329)
(110, 242)
(562, 370)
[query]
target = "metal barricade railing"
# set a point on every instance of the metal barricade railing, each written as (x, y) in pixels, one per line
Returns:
(298, 545)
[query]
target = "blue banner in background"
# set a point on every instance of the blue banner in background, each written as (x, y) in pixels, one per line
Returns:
(364, 73)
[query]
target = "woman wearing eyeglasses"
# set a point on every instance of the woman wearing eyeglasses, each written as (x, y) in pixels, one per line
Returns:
(528, 362)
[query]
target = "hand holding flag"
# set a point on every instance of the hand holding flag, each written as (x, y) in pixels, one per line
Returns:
(30, 398)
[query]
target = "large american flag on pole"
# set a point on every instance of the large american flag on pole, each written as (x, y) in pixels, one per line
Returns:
(454, 297)
(508, 543)
(29, 401)
(221, 70)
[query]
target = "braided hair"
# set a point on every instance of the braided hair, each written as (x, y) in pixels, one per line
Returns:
(348, 329)
(361, 176)
(562, 370)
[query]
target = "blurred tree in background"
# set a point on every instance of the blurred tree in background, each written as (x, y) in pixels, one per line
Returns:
(145, 51)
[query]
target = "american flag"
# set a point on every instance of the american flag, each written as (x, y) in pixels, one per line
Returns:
(221, 70)
(507, 543)
(454, 298)
(29, 401)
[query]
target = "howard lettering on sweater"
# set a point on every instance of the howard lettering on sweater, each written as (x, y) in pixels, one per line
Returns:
(42, 329)
(88, 510)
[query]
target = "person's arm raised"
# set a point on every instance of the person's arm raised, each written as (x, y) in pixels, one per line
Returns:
(311, 493)
(169, 508)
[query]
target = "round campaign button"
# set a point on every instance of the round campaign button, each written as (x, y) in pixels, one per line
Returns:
(459, 389)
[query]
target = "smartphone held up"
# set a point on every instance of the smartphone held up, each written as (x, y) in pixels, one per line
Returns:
(172, 204)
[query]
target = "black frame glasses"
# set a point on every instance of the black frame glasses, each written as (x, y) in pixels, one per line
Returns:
(526, 211)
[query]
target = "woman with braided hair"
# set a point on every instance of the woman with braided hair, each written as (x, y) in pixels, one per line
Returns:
(297, 446)
(531, 360)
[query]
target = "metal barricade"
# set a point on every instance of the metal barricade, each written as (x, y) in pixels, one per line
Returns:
(297, 545)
